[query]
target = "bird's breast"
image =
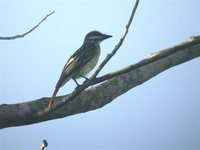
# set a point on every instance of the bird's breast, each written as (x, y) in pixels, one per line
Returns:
(90, 65)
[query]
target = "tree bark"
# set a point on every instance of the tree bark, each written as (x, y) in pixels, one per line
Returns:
(111, 86)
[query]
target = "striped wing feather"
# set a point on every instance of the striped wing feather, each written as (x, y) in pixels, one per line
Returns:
(81, 57)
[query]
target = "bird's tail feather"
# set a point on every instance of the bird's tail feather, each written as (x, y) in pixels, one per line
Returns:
(53, 97)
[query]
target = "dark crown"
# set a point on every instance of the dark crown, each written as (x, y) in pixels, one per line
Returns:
(96, 36)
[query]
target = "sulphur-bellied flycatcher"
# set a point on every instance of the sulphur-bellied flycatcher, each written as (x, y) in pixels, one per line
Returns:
(82, 61)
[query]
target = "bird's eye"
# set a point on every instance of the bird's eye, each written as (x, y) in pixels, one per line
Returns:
(94, 37)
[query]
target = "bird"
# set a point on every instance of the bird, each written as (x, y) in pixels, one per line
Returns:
(81, 62)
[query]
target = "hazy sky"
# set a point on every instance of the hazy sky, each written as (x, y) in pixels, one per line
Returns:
(162, 113)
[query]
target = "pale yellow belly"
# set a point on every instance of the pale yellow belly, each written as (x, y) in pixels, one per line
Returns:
(88, 67)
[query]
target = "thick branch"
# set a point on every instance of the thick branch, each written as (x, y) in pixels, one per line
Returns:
(95, 97)
(151, 58)
(24, 34)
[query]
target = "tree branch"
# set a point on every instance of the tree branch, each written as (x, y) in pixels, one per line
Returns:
(24, 34)
(109, 56)
(151, 58)
(98, 96)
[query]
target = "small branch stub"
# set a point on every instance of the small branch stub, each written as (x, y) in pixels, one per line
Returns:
(44, 145)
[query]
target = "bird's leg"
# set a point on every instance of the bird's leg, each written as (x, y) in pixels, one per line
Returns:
(76, 82)
(84, 77)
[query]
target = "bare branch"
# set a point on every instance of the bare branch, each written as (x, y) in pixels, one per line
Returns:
(109, 56)
(96, 97)
(151, 58)
(24, 34)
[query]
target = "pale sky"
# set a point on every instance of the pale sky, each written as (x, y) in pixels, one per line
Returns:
(162, 113)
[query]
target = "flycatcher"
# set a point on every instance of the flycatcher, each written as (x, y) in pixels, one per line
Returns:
(82, 61)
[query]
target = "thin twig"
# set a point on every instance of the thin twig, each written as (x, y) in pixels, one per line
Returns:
(89, 82)
(109, 56)
(24, 34)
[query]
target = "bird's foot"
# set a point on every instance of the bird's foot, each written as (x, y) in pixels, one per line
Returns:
(77, 87)
(85, 77)
(76, 82)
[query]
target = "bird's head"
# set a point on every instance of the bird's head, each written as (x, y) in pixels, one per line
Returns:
(96, 36)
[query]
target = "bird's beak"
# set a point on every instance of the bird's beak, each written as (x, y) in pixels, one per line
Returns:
(105, 36)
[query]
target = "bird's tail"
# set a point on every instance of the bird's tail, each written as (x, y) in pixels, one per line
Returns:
(53, 97)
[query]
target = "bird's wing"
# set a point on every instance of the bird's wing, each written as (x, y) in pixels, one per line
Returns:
(81, 57)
